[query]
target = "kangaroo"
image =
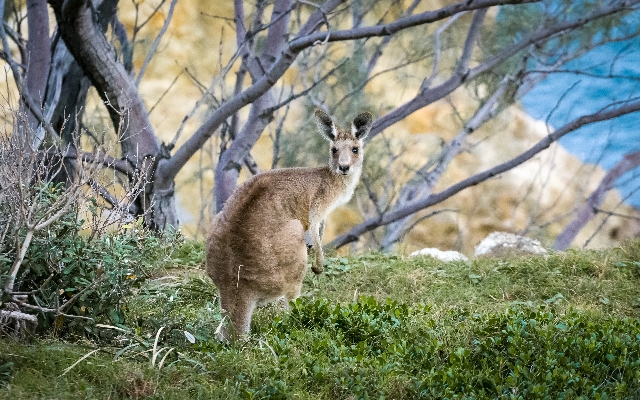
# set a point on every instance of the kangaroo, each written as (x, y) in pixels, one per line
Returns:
(256, 248)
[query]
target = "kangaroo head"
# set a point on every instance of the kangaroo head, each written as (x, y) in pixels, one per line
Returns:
(346, 146)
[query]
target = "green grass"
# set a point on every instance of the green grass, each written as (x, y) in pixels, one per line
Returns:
(563, 325)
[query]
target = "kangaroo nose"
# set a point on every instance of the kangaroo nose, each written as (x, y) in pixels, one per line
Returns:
(344, 168)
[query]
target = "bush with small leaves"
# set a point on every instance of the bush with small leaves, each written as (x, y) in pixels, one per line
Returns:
(85, 280)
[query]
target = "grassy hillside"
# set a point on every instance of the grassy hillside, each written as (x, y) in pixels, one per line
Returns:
(373, 326)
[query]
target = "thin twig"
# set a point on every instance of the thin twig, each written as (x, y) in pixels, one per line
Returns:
(137, 28)
(156, 42)
(165, 92)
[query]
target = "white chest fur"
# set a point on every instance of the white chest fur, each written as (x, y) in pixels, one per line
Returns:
(350, 184)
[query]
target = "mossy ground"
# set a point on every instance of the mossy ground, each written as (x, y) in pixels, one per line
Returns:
(373, 325)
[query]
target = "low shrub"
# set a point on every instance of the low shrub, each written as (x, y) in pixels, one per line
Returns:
(93, 276)
(371, 349)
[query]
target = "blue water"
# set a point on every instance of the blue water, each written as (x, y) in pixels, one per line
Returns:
(563, 97)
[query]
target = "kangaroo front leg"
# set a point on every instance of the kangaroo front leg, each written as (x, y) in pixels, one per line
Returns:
(316, 241)
(307, 235)
(322, 223)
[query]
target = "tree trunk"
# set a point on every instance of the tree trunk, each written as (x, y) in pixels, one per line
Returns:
(140, 146)
(67, 89)
(38, 59)
(231, 161)
(228, 168)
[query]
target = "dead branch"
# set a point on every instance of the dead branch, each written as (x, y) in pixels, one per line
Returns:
(609, 112)
(6, 315)
(591, 204)
(156, 42)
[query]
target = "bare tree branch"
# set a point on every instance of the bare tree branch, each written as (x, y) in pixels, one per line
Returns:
(584, 73)
(126, 46)
(428, 96)
(398, 25)
(138, 27)
(590, 207)
(303, 40)
(122, 166)
(608, 215)
(424, 187)
(373, 61)
(615, 214)
(111, 199)
(609, 112)
(156, 42)
(436, 56)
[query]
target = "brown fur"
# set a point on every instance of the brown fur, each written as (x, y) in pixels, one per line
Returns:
(256, 248)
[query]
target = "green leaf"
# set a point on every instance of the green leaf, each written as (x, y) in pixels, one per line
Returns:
(555, 299)
(190, 337)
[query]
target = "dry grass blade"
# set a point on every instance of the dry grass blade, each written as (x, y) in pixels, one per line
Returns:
(155, 346)
(78, 362)
(112, 327)
(270, 348)
(165, 357)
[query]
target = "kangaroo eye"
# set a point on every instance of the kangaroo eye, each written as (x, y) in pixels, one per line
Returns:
(334, 150)
(354, 150)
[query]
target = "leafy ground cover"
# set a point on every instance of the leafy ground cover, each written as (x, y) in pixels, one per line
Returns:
(564, 325)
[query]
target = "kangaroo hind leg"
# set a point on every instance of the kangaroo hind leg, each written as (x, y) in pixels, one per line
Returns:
(237, 309)
(241, 317)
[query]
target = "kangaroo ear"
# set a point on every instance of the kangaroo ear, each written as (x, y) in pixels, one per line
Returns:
(361, 125)
(326, 126)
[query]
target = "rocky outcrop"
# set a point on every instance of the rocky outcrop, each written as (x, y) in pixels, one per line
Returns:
(446, 256)
(499, 243)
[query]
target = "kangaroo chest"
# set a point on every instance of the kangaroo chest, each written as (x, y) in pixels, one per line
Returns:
(345, 194)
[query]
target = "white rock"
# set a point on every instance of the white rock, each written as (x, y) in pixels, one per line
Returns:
(499, 242)
(445, 256)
